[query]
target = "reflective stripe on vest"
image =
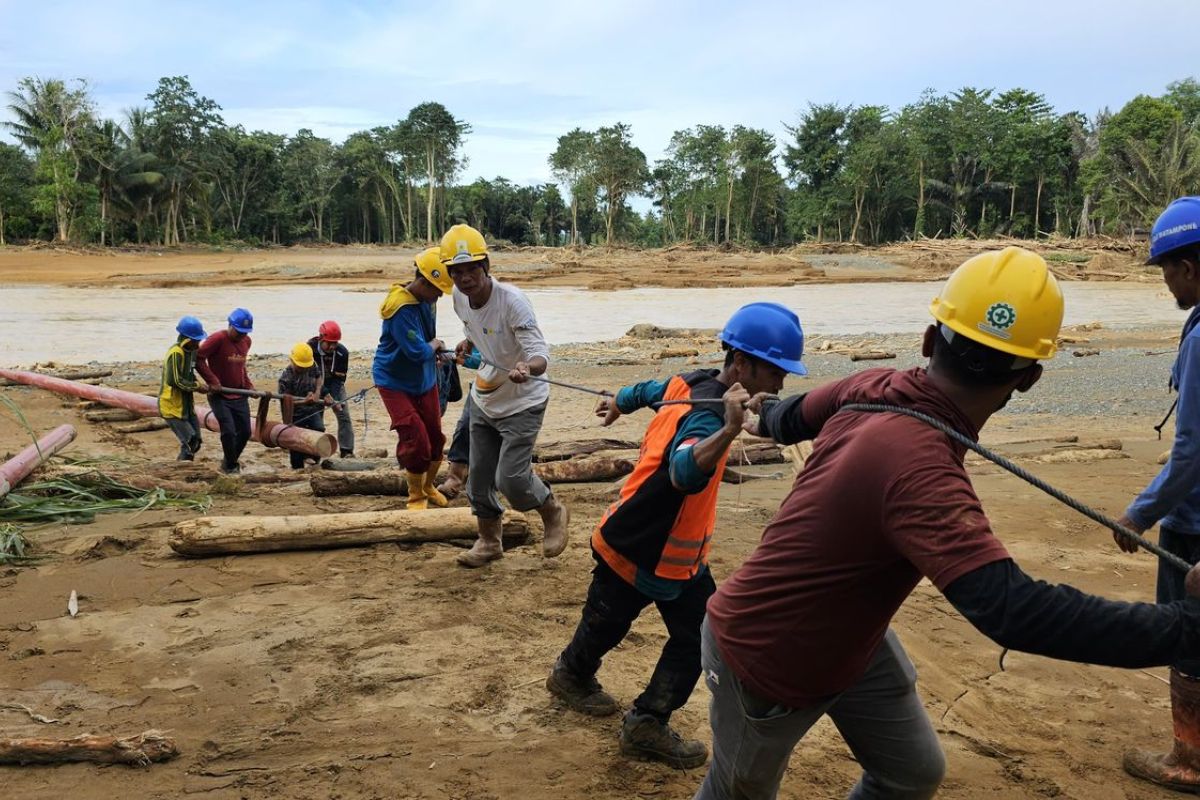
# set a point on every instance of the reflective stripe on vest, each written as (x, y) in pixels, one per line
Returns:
(685, 550)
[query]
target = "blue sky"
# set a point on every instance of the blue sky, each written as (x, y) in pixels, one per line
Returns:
(524, 72)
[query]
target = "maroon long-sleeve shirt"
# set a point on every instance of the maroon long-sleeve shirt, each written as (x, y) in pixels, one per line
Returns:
(223, 361)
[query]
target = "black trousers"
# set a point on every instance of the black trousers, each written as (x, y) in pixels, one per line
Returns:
(611, 607)
(234, 418)
(460, 443)
(1170, 580)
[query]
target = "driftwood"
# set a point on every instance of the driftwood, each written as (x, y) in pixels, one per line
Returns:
(871, 355)
(91, 477)
(136, 751)
(559, 451)
(584, 470)
(110, 415)
(142, 425)
(760, 452)
(209, 536)
(738, 477)
(676, 352)
(1090, 351)
(389, 481)
(1099, 444)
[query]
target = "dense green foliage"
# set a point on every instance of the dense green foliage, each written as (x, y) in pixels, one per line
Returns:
(971, 163)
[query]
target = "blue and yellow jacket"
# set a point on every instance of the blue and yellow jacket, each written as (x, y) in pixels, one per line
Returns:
(404, 361)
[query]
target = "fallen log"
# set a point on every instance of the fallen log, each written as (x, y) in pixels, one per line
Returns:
(17, 468)
(584, 470)
(136, 751)
(142, 426)
(875, 355)
(110, 415)
(559, 451)
(743, 453)
(209, 536)
(93, 478)
(737, 477)
(1066, 447)
(389, 481)
(273, 434)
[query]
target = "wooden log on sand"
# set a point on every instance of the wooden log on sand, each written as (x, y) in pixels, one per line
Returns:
(142, 425)
(560, 451)
(93, 478)
(17, 468)
(873, 355)
(210, 536)
(755, 452)
(584, 470)
(110, 415)
(136, 751)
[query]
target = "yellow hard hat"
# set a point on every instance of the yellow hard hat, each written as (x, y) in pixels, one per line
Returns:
(429, 264)
(302, 355)
(462, 244)
(1006, 300)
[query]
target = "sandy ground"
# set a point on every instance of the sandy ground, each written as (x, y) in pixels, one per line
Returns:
(593, 268)
(389, 672)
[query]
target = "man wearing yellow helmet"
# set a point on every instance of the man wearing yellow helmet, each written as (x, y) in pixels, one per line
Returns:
(802, 629)
(405, 372)
(302, 378)
(505, 407)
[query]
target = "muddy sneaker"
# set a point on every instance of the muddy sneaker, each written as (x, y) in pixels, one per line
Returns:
(645, 738)
(584, 695)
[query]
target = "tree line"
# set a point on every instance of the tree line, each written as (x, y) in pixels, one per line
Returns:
(969, 163)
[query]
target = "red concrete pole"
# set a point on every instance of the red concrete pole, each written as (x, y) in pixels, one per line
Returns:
(277, 434)
(18, 468)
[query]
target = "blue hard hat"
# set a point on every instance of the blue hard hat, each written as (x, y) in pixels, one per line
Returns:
(1178, 226)
(768, 331)
(190, 327)
(241, 320)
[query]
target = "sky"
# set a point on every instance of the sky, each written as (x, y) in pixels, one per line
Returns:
(524, 72)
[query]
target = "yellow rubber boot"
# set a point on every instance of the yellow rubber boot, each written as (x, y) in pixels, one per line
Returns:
(416, 491)
(429, 486)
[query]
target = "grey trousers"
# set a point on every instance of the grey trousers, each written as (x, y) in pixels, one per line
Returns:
(345, 433)
(880, 717)
(187, 431)
(502, 459)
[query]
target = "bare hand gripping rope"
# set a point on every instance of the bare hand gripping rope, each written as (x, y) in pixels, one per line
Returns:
(1024, 475)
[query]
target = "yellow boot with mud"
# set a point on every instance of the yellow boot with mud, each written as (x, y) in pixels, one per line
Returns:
(488, 547)
(415, 481)
(1178, 769)
(429, 486)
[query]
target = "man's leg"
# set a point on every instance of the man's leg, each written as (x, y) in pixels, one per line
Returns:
(753, 738)
(524, 489)
(225, 419)
(884, 722)
(459, 454)
(412, 442)
(184, 433)
(196, 441)
(481, 491)
(240, 411)
(428, 409)
(345, 426)
(610, 609)
(646, 732)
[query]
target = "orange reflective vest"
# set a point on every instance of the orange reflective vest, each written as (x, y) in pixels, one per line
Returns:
(653, 526)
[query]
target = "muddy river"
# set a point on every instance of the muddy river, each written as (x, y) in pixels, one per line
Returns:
(42, 323)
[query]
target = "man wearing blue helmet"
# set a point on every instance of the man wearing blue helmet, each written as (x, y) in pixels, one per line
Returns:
(652, 544)
(1173, 497)
(175, 394)
(222, 362)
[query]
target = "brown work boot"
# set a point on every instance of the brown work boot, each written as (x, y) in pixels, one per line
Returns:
(555, 518)
(456, 481)
(487, 547)
(645, 738)
(585, 695)
(1180, 768)
(434, 497)
(415, 482)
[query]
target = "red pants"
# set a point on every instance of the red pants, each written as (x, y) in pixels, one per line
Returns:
(417, 421)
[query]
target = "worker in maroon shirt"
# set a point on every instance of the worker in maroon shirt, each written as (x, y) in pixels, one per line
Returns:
(221, 359)
(802, 629)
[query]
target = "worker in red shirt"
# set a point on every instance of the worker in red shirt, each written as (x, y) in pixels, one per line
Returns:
(221, 360)
(802, 629)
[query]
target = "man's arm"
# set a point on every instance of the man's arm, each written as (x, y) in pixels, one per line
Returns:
(694, 459)
(1181, 474)
(206, 349)
(1018, 612)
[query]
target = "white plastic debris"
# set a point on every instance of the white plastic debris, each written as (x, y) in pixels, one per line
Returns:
(73, 603)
